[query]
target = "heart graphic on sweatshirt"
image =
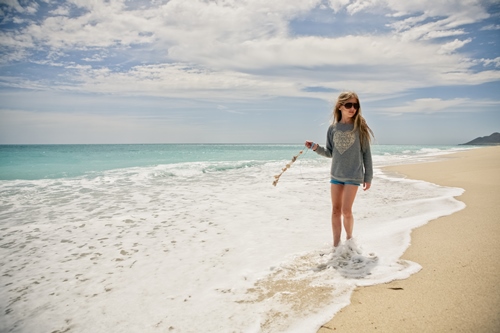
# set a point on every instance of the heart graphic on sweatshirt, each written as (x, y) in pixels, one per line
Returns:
(343, 140)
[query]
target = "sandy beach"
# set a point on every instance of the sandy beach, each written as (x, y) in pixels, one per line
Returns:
(457, 288)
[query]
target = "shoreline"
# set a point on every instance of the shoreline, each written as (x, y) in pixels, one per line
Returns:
(456, 289)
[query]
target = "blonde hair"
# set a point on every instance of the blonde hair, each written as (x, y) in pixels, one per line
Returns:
(365, 132)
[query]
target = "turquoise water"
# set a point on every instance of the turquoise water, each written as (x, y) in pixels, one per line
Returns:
(32, 162)
(59, 161)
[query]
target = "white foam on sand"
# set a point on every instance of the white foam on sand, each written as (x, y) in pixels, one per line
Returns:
(197, 248)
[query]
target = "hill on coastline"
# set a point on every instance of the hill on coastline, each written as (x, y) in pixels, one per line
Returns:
(493, 139)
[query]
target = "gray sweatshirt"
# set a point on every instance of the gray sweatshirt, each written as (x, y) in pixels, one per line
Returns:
(350, 161)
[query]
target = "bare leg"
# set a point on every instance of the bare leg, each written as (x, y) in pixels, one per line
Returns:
(337, 197)
(349, 194)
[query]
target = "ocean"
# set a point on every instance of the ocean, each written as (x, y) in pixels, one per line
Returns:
(195, 238)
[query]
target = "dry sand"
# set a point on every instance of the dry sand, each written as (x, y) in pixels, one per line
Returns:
(458, 288)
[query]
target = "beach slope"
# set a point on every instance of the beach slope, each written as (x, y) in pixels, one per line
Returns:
(457, 288)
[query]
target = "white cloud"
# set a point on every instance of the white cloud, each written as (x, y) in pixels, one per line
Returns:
(491, 27)
(14, 4)
(226, 109)
(444, 33)
(437, 105)
(284, 67)
(426, 105)
(61, 11)
(453, 46)
(244, 49)
(178, 81)
(95, 58)
(199, 23)
(495, 62)
(431, 19)
(13, 56)
(361, 5)
(337, 5)
(412, 29)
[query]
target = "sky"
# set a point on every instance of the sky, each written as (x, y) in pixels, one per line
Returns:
(246, 71)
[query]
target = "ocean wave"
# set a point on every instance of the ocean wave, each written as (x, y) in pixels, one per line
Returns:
(226, 166)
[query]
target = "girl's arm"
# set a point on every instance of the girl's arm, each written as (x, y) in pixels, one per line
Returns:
(327, 151)
(367, 163)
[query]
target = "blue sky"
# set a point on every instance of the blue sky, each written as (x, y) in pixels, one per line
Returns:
(246, 71)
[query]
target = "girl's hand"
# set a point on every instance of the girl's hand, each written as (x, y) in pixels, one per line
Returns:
(310, 144)
(366, 186)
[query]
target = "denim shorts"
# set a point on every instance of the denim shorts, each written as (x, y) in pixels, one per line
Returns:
(336, 182)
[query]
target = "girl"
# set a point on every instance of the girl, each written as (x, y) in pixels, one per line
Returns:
(348, 144)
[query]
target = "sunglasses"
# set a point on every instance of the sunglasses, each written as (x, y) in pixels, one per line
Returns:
(350, 105)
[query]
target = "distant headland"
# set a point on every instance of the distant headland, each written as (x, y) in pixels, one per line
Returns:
(493, 139)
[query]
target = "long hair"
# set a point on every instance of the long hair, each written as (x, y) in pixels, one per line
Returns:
(365, 132)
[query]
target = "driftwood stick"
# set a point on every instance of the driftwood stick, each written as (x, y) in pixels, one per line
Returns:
(277, 177)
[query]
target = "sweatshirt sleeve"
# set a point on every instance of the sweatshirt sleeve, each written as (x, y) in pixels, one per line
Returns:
(367, 163)
(327, 151)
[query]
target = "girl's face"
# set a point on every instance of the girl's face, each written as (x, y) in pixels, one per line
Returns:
(349, 109)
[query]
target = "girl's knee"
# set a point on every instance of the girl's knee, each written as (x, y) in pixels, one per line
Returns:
(336, 211)
(347, 213)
